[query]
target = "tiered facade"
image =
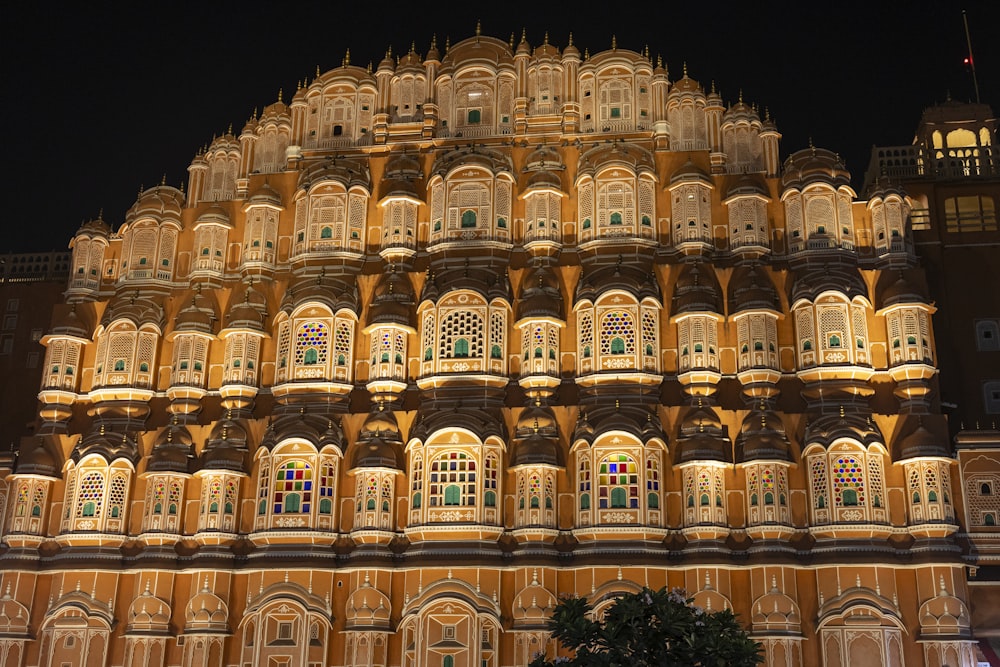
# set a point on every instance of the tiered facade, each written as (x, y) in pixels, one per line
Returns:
(428, 347)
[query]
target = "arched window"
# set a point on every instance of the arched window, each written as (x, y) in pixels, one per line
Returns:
(293, 484)
(461, 348)
(618, 482)
(468, 219)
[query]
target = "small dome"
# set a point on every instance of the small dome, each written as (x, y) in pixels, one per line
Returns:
(696, 290)
(367, 607)
(702, 437)
(747, 185)
(226, 448)
(247, 311)
(901, 290)
(809, 284)
(393, 300)
(36, 457)
(750, 288)
(264, 194)
(540, 295)
(199, 315)
(686, 84)
(95, 227)
(173, 451)
(628, 277)
(161, 202)
(70, 324)
(215, 214)
(828, 428)
(919, 439)
(543, 178)
(206, 611)
(688, 172)
(138, 310)
(148, 613)
(812, 165)
(762, 438)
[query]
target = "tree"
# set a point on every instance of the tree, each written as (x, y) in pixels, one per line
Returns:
(649, 629)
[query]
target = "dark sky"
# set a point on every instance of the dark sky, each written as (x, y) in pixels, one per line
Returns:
(99, 101)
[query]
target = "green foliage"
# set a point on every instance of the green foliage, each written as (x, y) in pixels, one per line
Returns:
(649, 629)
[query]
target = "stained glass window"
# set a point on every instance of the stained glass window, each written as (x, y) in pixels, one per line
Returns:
(848, 481)
(311, 341)
(455, 471)
(618, 482)
(293, 488)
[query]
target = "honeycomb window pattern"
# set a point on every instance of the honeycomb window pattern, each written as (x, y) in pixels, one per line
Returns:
(90, 496)
(461, 325)
(293, 488)
(617, 333)
(311, 343)
(848, 481)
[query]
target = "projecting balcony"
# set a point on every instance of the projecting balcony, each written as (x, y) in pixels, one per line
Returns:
(914, 162)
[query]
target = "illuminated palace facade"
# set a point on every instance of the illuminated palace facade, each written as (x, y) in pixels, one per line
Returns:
(427, 347)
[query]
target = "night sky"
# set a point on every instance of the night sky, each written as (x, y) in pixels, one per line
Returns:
(99, 102)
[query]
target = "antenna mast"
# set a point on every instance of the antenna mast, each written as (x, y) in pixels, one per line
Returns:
(970, 60)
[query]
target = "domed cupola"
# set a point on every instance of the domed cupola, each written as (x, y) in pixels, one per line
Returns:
(247, 311)
(762, 438)
(899, 288)
(919, 439)
(750, 288)
(161, 202)
(227, 447)
(830, 427)
(536, 438)
(696, 290)
(70, 324)
(198, 316)
(632, 278)
(37, 456)
(393, 300)
(379, 443)
(107, 444)
(540, 295)
(138, 310)
(814, 165)
(701, 437)
(173, 450)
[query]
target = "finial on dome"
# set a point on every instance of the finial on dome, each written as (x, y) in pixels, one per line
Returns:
(545, 40)
(586, 54)
(447, 44)
(163, 178)
(317, 70)
(659, 60)
(619, 573)
(570, 39)
(434, 41)
(347, 58)
(740, 97)
(479, 27)
(369, 67)
(413, 46)
(614, 43)
(841, 410)
(281, 93)
(685, 68)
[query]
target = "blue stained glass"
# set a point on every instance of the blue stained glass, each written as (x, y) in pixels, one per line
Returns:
(308, 486)
(635, 503)
(305, 507)
(277, 509)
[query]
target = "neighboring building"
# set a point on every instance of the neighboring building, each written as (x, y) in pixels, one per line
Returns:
(427, 348)
(951, 173)
(31, 284)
